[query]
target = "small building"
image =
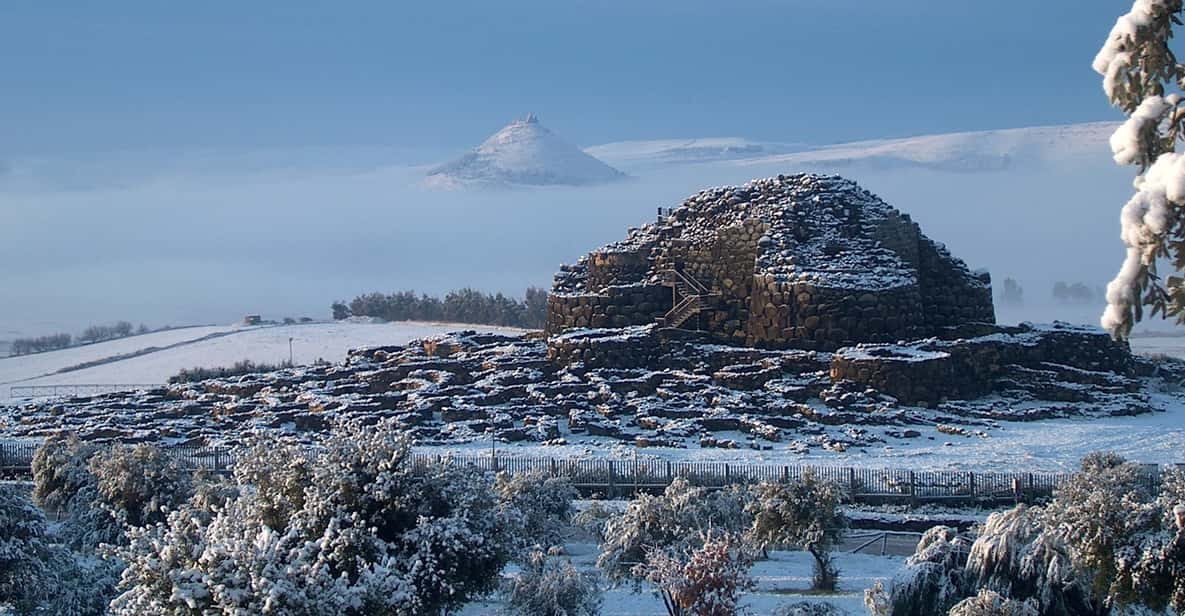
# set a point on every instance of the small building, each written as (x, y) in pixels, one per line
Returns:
(253, 319)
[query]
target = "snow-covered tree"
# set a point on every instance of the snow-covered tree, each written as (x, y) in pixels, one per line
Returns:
(548, 586)
(804, 513)
(1142, 76)
(592, 520)
(1018, 556)
(674, 521)
(705, 581)
(934, 579)
(26, 579)
(989, 603)
(60, 471)
(373, 534)
(538, 508)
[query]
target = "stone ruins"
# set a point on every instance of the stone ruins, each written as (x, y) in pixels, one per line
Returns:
(795, 312)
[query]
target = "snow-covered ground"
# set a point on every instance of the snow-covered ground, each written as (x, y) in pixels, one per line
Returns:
(14, 369)
(310, 341)
(784, 578)
(1054, 445)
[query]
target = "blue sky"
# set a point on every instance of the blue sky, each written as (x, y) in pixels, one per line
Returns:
(94, 76)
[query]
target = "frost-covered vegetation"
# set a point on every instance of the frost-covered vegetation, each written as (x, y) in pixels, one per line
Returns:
(1141, 76)
(460, 306)
(354, 527)
(1108, 541)
(351, 527)
(239, 368)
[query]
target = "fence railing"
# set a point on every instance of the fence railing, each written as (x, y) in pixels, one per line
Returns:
(75, 389)
(616, 478)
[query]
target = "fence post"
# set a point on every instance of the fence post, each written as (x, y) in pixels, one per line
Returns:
(612, 480)
(670, 477)
(785, 474)
(971, 482)
(727, 475)
(912, 494)
(852, 481)
(553, 471)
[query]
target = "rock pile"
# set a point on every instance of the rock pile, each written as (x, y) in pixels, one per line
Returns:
(643, 386)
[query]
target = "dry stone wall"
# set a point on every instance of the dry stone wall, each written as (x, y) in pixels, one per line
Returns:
(804, 261)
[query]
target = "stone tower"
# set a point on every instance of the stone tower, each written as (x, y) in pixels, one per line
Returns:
(801, 261)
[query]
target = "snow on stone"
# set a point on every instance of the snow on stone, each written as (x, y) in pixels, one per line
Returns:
(523, 153)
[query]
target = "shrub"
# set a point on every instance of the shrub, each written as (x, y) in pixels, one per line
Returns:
(547, 587)
(372, 535)
(705, 581)
(26, 579)
(989, 603)
(240, 368)
(675, 521)
(803, 513)
(60, 471)
(538, 508)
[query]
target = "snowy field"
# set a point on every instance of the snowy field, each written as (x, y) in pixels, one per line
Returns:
(14, 369)
(784, 578)
(1054, 445)
(310, 342)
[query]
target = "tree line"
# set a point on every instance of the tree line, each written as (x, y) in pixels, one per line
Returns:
(460, 306)
(93, 333)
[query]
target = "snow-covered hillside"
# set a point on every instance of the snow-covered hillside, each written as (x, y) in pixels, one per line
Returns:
(527, 153)
(993, 150)
(209, 347)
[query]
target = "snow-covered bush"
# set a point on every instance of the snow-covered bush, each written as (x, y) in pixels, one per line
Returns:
(1107, 541)
(1109, 517)
(592, 520)
(705, 581)
(538, 508)
(60, 471)
(934, 579)
(26, 579)
(989, 603)
(806, 608)
(804, 513)
(674, 521)
(1017, 556)
(278, 474)
(136, 484)
(373, 535)
(548, 587)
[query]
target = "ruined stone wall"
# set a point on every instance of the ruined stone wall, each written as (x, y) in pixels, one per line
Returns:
(801, 315)
(607, 269)
(901, 235)
(724, 264)
(617, 306)
(950, 294)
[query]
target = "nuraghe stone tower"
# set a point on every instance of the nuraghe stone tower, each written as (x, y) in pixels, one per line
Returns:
(800, 261)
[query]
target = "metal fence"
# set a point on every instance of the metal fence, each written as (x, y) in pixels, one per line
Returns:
(617, 478)
(75, 389)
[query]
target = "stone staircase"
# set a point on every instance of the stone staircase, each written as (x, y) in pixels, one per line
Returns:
(695, 298)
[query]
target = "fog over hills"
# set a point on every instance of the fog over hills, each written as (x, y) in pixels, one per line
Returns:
(185, 241)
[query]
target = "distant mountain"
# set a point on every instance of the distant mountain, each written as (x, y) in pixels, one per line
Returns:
(523, 153)
(978, 151)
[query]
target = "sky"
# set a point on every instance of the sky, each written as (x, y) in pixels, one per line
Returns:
(180, 163)
(433, 77)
